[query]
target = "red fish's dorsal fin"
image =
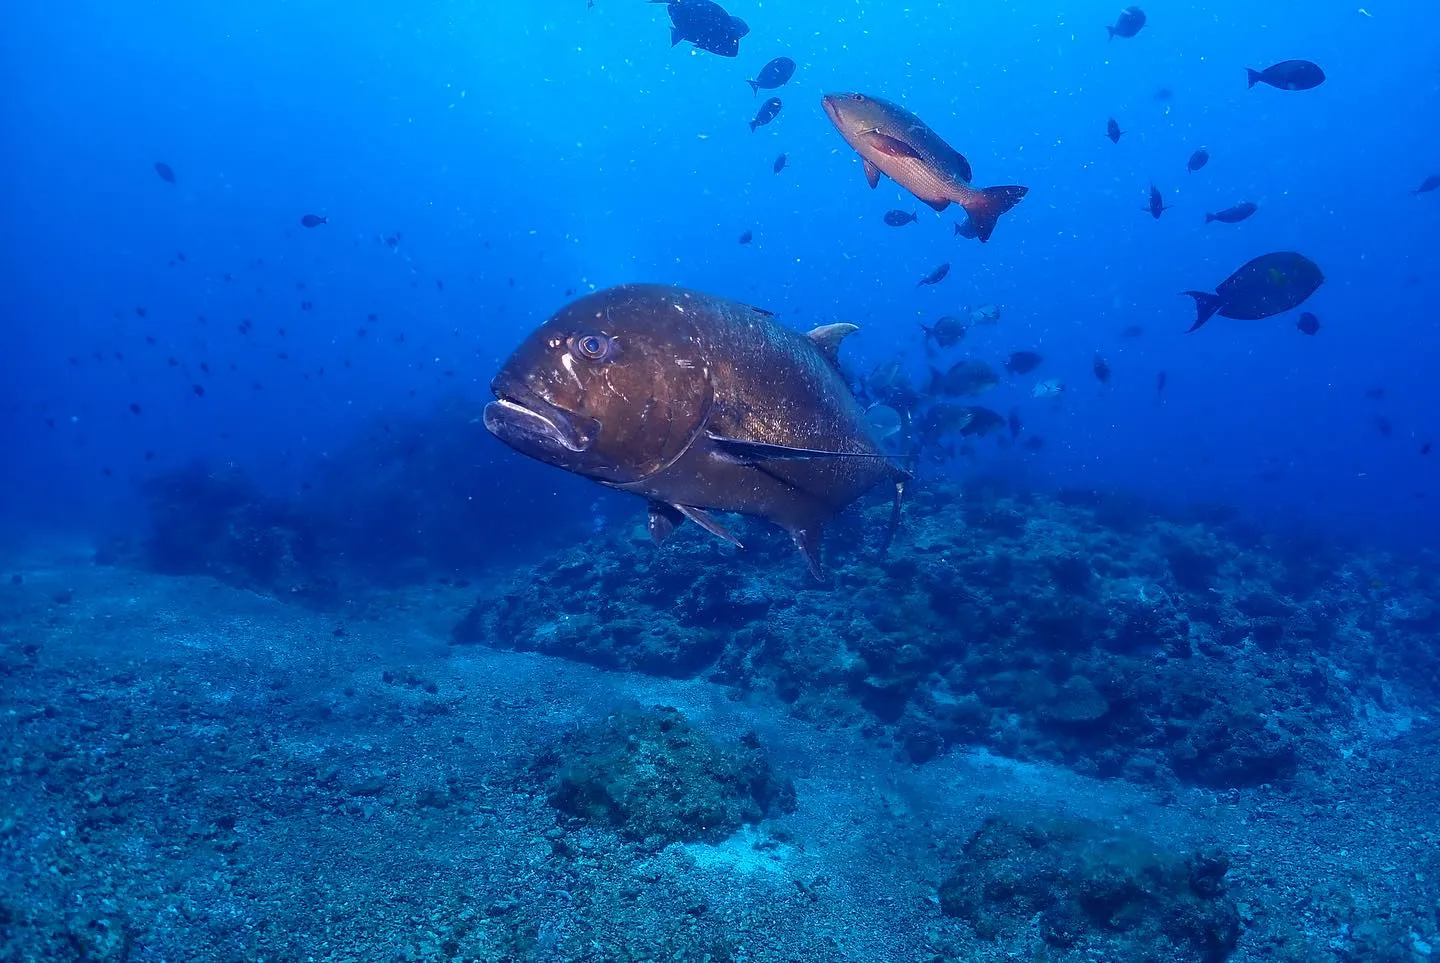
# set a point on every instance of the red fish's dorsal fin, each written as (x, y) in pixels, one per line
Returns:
(827, 339)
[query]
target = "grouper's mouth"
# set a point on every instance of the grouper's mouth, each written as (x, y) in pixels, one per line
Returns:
(525, 421)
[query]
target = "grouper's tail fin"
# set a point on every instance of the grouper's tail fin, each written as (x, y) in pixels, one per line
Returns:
(984, 207)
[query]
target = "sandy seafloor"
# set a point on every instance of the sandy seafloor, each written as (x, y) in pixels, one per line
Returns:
(195, 772)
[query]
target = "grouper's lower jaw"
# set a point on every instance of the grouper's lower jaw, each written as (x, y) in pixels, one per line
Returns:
(538, 432)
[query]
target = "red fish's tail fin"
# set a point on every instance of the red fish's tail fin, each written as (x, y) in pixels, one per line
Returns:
(1205, 307)
(985, 206)
(1253, 76)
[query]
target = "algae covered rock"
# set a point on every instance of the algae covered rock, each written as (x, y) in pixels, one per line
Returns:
(653, 777)
(1112, 892)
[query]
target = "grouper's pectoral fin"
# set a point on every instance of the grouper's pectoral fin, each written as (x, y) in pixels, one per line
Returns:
(892, 146)
(807, 539)
(664, 519)
(702, 518)
(758, 451)
(872, 173)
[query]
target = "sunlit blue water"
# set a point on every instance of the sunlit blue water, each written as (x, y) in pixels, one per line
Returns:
(516, 152)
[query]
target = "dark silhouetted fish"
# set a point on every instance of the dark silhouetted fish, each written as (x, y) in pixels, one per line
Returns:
(746, 237)
(1263, 287)
(767, 113)
(313, 220)
(1156, 207)
(1382, 425)
(1308, 323)
(1198, 160)
(947, 331)
(935, 276)
(1128, 24)
(899, 218)
(166, 174)
(1101, 367)
(965, 378)
(1427, 185)
(1023, 362)
(892, 140)
(694, 403)
(1288, 75)
(1233, 215)
(779, 164)
(705, 24)
(776, 73)
(1113, 131)
(1375, 394)
(1161, 380)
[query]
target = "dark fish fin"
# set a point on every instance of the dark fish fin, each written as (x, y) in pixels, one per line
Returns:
(1209, 217)
(1205, 307)
(1253, 76)
(827, 339)
(808, 541)
(892, 146)
(986, 205)
(702, 518)
(754, 88)
(664, 519)
(939, 203)
(759, 451)
(675, 36)
(1109, 30)
(872, 173)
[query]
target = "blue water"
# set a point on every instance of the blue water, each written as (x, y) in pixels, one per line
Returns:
(521, 151)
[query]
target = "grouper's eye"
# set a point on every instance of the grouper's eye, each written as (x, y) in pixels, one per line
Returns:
(858, 98)
(592, 347)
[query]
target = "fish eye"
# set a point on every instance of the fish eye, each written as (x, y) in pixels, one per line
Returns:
(858, 98)
(592, 347)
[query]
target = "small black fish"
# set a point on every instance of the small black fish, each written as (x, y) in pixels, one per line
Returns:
(1161, 380)
(134, 408)
(313, 220)
(767, 113)
(1288, 75)
(1427, 185)
(306, 305)
(1233, 215)
(199, 390)
(1426, 448)
(776, 73)
(935, 276)
(779, 164)
(1113, 131)
(166, 174)
(1198, 160)
(1308, 323)
(1128, 24)
(707, 25)
(747, 237)
(1382, 425)
(1101, 367)
(899, 218)
(1023, 362)
(1156, 207)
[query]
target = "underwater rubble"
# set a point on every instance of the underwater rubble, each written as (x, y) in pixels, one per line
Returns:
(1078, 628)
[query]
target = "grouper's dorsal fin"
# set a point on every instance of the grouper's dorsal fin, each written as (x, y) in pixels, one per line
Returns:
(827, 338)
